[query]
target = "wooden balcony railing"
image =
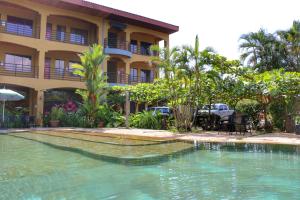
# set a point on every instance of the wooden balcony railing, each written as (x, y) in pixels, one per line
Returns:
(18, 29)
(69, 37)
(8, 69)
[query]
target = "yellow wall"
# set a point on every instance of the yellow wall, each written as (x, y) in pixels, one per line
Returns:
(40, 48)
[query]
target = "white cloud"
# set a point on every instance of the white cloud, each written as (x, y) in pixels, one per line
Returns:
(219, 23)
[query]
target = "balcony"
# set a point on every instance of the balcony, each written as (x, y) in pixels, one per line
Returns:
(20, 27)
(18, 70)
(117, 47)
(126, 79)
(69, 37)
(55, 75)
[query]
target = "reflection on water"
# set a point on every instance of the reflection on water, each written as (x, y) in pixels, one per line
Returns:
(50, 165)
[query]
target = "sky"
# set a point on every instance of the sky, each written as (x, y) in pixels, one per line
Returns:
(218, 23)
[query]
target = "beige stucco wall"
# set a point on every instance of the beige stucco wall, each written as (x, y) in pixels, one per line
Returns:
(39, 48)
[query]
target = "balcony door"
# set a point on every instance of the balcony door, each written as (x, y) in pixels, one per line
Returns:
(112, 40)
(18, 63)
(112, 71)
(19, 26)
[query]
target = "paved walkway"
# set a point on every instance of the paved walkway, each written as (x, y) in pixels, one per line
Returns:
(273, 138)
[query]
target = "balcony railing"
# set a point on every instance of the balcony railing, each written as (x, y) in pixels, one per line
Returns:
(117, 44)
(68, 37)
(122, 78)
(62, 76)
(9, 69)
(19, 29)
(124, 45)
(140, 50)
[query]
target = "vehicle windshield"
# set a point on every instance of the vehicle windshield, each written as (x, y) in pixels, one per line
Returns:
(212, 107)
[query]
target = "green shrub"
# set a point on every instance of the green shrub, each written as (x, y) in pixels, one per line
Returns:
(110, 117)
(146, 120)
(56, 113)
(73, 119)
(251, 108)
(277, 111)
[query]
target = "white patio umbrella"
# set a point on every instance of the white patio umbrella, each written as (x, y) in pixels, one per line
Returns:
(9, 95)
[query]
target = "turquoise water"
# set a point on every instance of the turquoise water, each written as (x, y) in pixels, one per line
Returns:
(35, 166)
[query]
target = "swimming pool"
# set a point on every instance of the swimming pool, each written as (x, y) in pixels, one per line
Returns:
(51, 165)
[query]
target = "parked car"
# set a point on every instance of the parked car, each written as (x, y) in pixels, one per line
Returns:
(210, 115)
(219, 109)
(164, 111)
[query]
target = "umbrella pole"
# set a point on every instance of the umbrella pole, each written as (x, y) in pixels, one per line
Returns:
(3, 113)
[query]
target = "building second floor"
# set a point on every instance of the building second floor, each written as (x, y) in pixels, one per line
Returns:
(41, 39)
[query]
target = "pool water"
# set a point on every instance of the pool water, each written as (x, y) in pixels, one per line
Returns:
(49, 165)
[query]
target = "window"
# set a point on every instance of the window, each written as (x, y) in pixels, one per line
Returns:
(47, 68)
(17, 63)
(133, 46)
(19, 26)
(49, 32)
(145, 76)
(60, 67)
(145, 48)
(61, 33)
(79, 36)
(133, 74)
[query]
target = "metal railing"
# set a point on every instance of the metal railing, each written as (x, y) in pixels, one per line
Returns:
(124, 45)
(138, 79)
(9, 69)
(122, 78)
(140, 50)
(116, 43)
(67, 76)
(19, 29)
(67, 37)
(115, 77)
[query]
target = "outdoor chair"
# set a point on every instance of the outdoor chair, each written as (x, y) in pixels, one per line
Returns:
(242, 124)
(227, 124)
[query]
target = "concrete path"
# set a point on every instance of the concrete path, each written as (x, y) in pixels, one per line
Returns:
(273, 138)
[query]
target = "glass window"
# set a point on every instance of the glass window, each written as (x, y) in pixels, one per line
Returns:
(47, 68)
(61, 33)
(19, 26)
(17, 63)
(59, 67)
(145, 76)
(79, 36)
(49, 32)
(145, 48)
(133, 46)
(133, 74)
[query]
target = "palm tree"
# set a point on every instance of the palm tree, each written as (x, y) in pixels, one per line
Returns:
(261, 51)
(290, 43)
(90, 70)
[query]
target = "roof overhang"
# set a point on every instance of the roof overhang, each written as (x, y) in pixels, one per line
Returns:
(112, 14)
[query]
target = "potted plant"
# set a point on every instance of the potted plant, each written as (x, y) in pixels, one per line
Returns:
(297, 127)
(55, 115)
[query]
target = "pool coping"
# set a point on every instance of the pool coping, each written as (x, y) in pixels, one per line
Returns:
(160, 135)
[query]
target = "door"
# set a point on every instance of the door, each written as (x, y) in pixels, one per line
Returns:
(112, 71)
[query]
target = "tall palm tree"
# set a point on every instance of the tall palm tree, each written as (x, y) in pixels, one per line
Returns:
(260, 50)
(90, 70)
(290, 43)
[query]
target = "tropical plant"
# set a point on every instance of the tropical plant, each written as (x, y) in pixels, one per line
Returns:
(146, 120)
(290, 43)
(56, 113)
(96, 84)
